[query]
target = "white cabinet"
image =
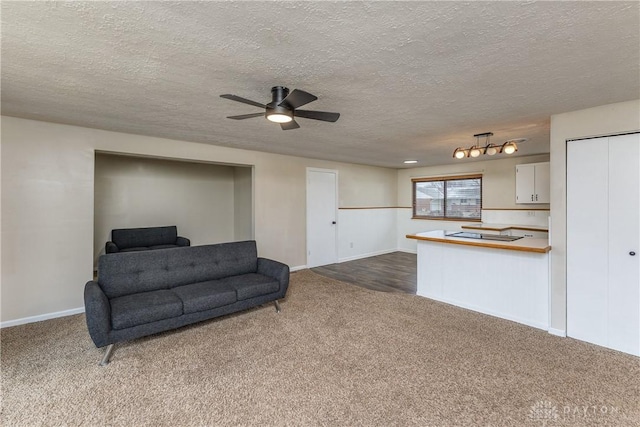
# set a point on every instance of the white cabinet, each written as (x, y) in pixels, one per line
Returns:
(603, 237)
(532, 183)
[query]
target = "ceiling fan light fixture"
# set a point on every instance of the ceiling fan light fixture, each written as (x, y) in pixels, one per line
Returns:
(283, 108)
(279, 118)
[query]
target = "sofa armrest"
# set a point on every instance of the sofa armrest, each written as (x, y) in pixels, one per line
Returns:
(183, 241)
(111, 248)
(275, 269)
(97, 313)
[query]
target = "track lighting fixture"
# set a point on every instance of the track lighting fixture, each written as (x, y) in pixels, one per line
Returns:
(489, 149)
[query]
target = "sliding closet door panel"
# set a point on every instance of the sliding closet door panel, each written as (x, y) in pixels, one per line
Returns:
(587, 240)
(624, 238)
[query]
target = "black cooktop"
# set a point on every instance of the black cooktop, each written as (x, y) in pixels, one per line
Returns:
(496, 237)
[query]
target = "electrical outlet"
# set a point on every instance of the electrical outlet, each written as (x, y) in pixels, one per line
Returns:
(532, 213)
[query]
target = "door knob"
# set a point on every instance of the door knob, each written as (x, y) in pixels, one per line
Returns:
(333, 222)
(632, 253)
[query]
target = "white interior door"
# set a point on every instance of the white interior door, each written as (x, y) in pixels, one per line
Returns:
(322, 214)
(624, 239)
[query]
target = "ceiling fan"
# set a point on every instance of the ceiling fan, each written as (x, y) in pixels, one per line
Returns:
(283, 108)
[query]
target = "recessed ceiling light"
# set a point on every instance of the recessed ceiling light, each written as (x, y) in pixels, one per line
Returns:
(408, 162)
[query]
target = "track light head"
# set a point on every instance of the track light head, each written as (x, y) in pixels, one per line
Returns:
(491, 149)
(509, 147)
(475, 151)
(460, 153)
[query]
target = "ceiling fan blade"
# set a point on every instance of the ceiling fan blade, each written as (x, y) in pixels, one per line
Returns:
(296, 99)
(318, 115)
(243, 100)
(245, 116)
(291, 125)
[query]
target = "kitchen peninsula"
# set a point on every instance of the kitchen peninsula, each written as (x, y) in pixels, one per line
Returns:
(504, 278)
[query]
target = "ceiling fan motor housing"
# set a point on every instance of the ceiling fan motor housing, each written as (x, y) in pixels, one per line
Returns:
(278, 93)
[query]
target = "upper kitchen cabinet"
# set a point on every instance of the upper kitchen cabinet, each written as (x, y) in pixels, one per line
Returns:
(532, 183)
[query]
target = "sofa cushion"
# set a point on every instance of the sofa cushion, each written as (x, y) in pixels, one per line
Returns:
(150, 236)
(251, 285)
(145, 307)
(205, 296)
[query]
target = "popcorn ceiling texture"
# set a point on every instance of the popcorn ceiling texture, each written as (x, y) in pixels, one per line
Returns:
(411, 80)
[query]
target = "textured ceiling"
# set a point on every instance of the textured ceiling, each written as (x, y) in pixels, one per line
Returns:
(412, 80)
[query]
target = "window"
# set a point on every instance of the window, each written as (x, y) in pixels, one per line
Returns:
(455, 198)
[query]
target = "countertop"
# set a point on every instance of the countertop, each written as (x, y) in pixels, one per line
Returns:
(526, 244)
(505, 227)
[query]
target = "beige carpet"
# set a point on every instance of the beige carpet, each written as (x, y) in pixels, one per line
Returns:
(337, 355)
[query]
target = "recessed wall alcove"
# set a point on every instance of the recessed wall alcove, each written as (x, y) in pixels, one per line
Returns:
(208, 202)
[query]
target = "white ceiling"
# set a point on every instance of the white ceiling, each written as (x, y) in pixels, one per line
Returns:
(412, 80)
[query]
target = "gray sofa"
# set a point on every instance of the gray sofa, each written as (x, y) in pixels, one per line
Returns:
(144, 239)
(143, 293)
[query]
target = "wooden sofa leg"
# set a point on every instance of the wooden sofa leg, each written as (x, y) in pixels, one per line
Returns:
(277, 304)
(107, 355)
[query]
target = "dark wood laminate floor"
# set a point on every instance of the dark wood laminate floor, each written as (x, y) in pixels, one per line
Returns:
(394, 272)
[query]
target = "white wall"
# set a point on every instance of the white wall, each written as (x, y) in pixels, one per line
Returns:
(47, 219)
(48, 197)
(498, 192)
(366, 232)
(598, 121)
(141, 192)
(243, 203)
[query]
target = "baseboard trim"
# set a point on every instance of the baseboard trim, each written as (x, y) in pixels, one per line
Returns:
(407, 251)
(557, 332)
(528, 322)
(367, 255)
(297, 268)
(41, 317)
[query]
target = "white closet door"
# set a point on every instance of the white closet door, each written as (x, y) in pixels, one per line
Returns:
(603, 242)
(624, 238)
(587, 240)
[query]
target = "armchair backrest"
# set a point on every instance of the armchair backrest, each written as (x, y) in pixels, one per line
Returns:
(151, 236)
